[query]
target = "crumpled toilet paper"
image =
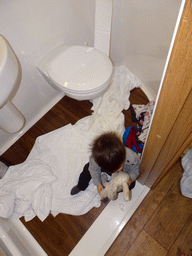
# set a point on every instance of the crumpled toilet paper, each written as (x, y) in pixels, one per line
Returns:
(57, 158)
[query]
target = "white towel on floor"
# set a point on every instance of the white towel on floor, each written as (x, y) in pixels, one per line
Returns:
(27, 188)
(66, 151)
(42, 184)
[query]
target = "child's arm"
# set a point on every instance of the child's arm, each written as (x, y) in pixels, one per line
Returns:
(95, 172)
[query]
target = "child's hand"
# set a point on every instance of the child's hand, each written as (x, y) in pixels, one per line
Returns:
(100, 188)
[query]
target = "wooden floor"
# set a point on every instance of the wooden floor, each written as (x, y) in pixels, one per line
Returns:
(160, 226)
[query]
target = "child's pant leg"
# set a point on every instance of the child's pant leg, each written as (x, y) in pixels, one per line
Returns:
(84, 178)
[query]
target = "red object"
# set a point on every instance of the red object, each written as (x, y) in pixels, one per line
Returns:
(131, 139)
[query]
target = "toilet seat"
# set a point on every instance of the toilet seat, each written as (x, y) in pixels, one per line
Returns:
(81, 70)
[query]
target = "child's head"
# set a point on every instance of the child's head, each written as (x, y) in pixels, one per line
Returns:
(108, 151)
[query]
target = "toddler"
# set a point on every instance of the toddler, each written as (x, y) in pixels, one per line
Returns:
(109, 155)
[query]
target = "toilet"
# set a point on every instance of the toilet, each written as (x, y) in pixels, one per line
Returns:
(79, 71)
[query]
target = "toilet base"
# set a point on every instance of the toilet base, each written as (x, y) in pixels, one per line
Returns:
(87, 96)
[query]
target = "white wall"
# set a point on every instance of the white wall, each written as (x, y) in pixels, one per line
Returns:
(141, 35)
(33, 25)
(140, 39)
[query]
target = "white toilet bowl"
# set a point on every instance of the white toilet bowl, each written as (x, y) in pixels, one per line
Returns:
(80, 72)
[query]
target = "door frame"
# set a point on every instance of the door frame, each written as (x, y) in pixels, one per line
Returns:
(171, 128)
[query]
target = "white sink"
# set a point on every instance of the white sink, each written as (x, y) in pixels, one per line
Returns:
(11, 120)
(9, 70)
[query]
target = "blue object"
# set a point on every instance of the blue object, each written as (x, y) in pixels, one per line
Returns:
(126, 134)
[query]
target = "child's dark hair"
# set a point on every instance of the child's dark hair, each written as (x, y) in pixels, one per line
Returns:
(108, 151)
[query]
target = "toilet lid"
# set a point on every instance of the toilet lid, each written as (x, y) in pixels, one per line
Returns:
(81, 68)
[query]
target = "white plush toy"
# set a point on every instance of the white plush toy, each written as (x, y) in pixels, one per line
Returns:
(117, 183)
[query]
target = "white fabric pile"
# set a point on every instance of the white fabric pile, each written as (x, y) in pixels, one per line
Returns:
(42, 184)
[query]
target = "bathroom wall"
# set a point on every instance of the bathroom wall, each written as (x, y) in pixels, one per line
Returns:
(140, 39)
(141, 35)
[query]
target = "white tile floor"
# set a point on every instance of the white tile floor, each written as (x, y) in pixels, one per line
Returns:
(109, 224)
